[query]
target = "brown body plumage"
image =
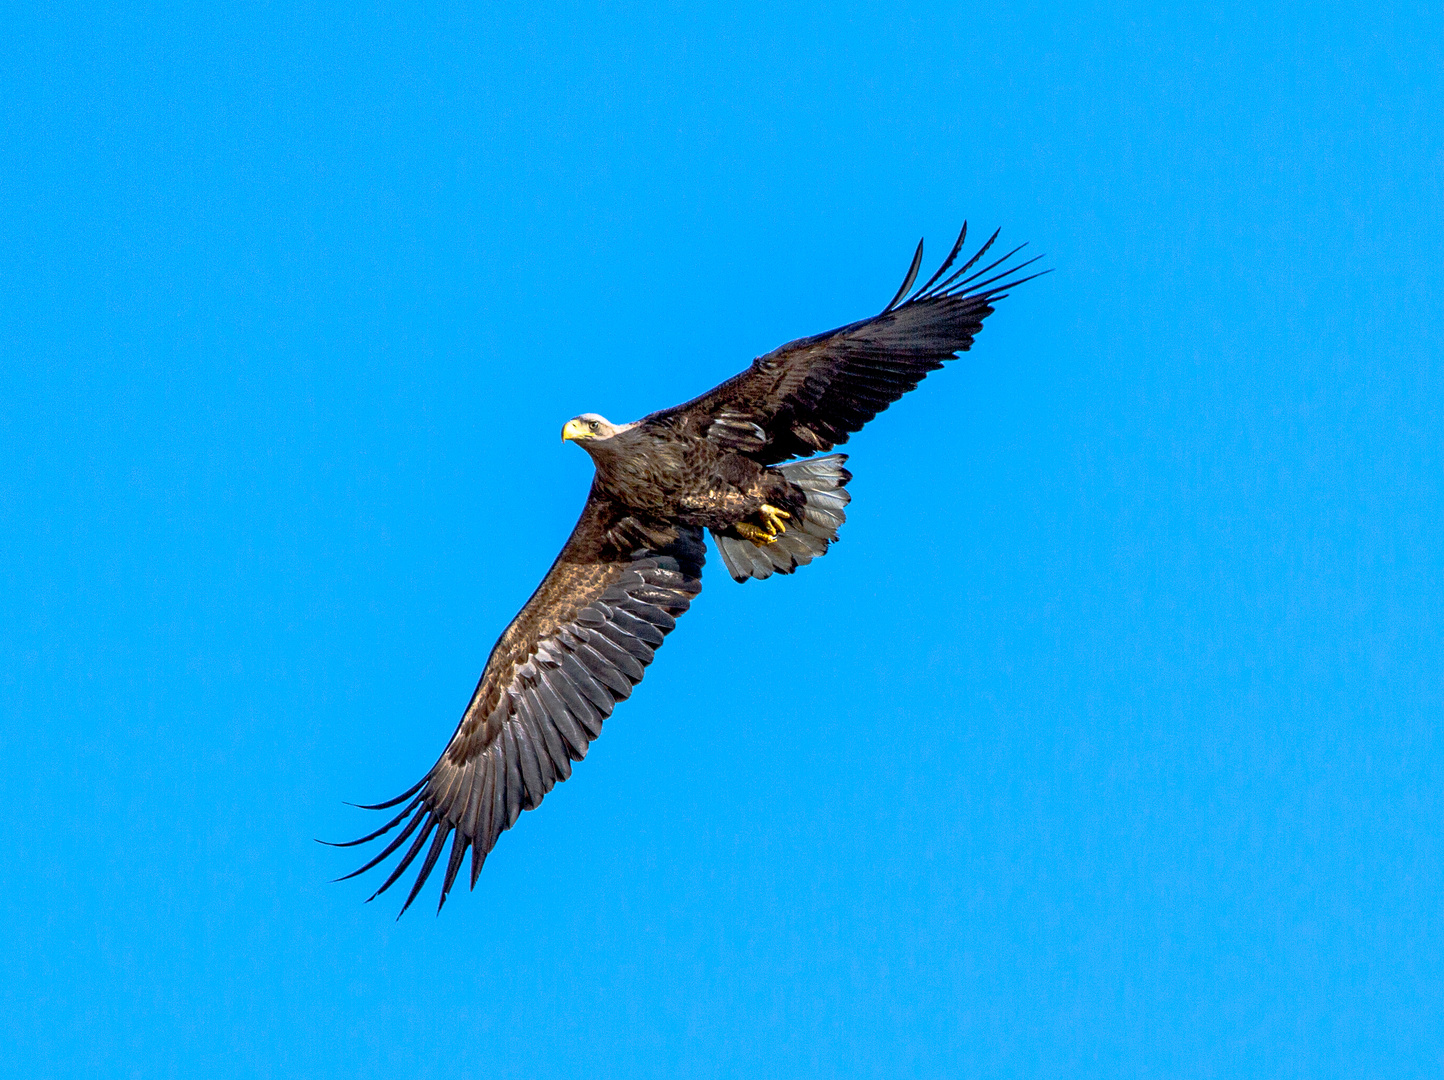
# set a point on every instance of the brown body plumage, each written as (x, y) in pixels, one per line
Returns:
(661, 473)
(721, 462)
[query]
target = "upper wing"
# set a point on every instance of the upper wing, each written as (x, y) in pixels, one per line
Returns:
(578, 646)
(811, 394)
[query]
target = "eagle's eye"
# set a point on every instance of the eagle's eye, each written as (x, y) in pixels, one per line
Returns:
(594, 425)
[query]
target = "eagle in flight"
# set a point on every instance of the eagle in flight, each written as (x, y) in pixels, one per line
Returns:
(722, 462)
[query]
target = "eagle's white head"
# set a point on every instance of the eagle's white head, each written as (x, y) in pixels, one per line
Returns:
(591, 426)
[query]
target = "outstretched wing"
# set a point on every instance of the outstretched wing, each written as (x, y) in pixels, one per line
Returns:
(811, 394)
(577, 648)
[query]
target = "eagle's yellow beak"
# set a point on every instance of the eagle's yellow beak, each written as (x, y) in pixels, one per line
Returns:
(575, 429)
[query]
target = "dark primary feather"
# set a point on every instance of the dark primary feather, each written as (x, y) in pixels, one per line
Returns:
(912, 275)
(575, 650)
(812, 394)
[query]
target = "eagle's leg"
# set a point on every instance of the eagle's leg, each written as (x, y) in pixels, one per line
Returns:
(773, 527)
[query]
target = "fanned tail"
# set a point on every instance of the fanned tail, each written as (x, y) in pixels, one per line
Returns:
(822, 479)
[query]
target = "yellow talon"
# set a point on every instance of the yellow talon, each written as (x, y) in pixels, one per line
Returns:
(753, 533)
(773, 517)
(773, 527)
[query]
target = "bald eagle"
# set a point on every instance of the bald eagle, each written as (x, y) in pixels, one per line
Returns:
(723, 463)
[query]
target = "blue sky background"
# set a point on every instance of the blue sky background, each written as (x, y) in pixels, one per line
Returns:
(1106, 744)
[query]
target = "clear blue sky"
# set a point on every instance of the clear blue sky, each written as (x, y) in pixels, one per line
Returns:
(1106, 744)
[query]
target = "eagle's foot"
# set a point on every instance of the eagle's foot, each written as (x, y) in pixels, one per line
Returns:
(772, 522)
(773, 517)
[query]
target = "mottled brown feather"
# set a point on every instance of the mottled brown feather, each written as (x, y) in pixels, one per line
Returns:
(572, 652)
